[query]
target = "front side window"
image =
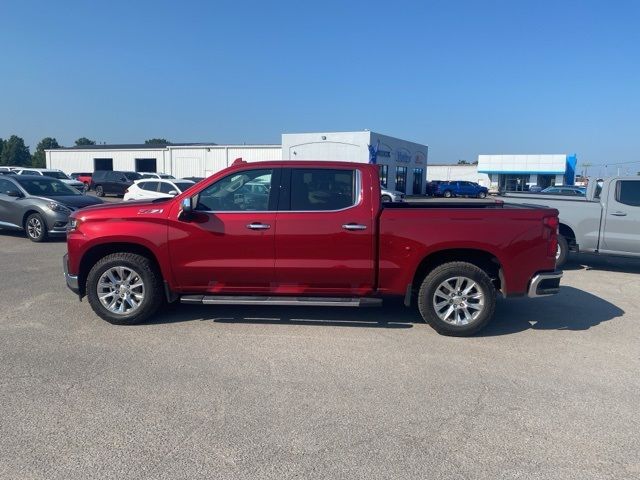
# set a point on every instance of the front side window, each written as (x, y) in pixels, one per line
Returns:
(401, 179)
(628, 192)
(167, 187)
(322, 189)
(237, 192)
(6, 186)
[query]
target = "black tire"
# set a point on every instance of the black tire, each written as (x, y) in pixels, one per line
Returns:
(482, 195)
(36, 228)
(99, 191)
(563, 251)
(150, 276)
(439, 275)
(385, 198)
(447, 194)
(86, 187)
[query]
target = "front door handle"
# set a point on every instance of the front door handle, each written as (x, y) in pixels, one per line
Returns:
(619, 214)
(354, 226)
(258, 226)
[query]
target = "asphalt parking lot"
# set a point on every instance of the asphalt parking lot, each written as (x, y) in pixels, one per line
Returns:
(549, 391)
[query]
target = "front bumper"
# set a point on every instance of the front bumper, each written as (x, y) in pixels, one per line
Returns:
(72, 280)
(544, 284)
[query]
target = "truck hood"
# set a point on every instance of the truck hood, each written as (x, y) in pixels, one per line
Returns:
(128, 208)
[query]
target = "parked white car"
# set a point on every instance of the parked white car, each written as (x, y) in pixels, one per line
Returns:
(53, 173)
(148, 189)
(390, 195)
(165, 176)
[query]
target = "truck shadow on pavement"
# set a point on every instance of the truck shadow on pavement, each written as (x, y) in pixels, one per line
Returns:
(391, 315)
(571, 309)
(602, 263)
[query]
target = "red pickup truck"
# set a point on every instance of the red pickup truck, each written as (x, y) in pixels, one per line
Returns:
(309, 233)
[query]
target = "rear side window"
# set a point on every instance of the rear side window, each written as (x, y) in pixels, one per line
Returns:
(628, 192)
(322, 189)
(150, 186)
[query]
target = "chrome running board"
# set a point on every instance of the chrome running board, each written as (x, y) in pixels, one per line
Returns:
(290, 301)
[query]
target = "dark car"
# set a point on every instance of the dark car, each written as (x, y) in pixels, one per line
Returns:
(194, 179)
(106, 182)
(39, 205)
(432, 187)
(566, 190)
(461, 189)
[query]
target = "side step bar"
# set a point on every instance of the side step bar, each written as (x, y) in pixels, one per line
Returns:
(291, 301)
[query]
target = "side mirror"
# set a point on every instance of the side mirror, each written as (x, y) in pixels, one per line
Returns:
(173, 193)
(186, 208)
(14, 193)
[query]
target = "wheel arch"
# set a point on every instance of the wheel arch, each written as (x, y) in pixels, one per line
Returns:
(95, 253)
(483, 259)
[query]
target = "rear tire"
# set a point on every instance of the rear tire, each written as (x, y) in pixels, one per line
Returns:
(124, 288)
(563, 251)
(99, 191)
(482, 195)
(36, 228)
(457, 299)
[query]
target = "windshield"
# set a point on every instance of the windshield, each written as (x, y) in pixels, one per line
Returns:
(182, 186)
(58, 175)
(132, 175)
(46, 187)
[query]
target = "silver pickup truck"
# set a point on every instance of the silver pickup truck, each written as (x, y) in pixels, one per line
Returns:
(605, 221)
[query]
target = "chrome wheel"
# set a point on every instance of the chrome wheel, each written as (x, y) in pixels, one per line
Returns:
(458, 301)
(34, 227)
(120, 290)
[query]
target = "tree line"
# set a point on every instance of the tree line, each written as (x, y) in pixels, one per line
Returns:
(14, 152)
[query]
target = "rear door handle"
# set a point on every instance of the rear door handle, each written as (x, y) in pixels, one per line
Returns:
(258, 226)
(354, 226)
(619, 214)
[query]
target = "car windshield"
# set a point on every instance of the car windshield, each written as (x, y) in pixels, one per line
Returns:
(47, 187)
(58, 175)
(132, 176)
(182, 186)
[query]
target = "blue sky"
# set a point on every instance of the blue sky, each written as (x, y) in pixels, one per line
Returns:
(464, 77)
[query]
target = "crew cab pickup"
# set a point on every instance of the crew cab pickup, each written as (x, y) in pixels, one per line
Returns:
(605, 221)
(316, 235)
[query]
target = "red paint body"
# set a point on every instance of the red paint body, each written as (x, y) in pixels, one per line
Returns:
(310, 253)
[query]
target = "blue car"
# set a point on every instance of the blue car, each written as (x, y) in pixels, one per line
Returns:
(461, 189)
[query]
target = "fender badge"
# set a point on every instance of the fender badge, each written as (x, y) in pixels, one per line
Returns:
(150, 210)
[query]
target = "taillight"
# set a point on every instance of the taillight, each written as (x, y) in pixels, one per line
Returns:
(550, 234)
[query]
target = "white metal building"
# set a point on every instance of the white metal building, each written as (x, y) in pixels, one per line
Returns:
(402, 163)
(467, 173)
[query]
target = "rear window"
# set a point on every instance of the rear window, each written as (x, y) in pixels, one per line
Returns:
(322, 189)
(628, 192)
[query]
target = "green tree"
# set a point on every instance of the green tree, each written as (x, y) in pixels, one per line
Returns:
(1, 146)
(15, 152)
(38, 159)
(463, 162)
(84, 141)
(157, 141)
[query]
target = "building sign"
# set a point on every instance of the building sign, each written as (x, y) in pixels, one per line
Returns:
(420, 158)
(384, 153)
(403, 156)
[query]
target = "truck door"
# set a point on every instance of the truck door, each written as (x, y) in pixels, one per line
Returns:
(324, 233)
(621, 225)
(227, 246)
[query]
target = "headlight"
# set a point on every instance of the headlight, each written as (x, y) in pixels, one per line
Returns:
(73, 224)
(56, 207)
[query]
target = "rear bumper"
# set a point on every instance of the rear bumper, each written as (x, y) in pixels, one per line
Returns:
(72, 280)
(544, 284)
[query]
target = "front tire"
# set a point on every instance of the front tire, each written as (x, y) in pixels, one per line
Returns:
(448, 194)
(124, 288)
(99, 191)
(457, 299)
(563, 251)
(36, 228)
(385, 198)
